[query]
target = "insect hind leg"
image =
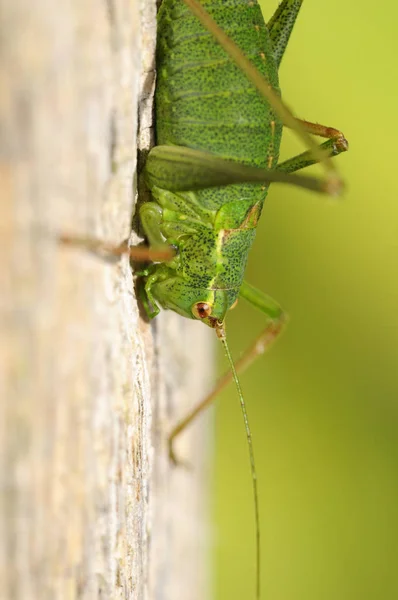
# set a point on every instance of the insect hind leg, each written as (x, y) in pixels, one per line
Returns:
(280, 26)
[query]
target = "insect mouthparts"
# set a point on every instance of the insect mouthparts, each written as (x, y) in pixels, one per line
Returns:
(220, 330)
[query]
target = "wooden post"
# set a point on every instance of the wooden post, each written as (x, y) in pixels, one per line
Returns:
(90, 505)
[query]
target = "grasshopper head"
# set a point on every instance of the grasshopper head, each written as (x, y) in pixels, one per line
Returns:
(213, 308)
(206, 305)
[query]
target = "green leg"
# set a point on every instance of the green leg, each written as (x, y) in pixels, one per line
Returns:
(146, 297)
(276, 321)
(177, 168)
(150, 307)
(280, 26)
(151, 215)
(335, 145)
(262, 301)
(301, 161)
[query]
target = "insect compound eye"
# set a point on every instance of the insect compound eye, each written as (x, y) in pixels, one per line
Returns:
(201, 310)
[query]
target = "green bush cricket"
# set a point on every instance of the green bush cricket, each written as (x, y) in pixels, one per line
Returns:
(218, 140)
(214, 129)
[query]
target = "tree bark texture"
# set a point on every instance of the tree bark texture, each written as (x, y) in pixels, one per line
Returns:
(91, 507)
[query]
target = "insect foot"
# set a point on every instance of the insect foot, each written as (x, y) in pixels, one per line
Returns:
(177, 462)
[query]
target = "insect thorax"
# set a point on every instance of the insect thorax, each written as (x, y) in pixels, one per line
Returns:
(212, 249)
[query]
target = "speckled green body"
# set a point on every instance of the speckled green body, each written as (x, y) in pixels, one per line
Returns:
(204, 101)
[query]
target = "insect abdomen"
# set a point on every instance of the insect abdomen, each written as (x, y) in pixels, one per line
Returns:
(203, 100)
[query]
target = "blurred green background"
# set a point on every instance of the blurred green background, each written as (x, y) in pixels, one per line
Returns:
(323, 404)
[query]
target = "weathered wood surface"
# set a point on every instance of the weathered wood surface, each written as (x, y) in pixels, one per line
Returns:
(91, 507)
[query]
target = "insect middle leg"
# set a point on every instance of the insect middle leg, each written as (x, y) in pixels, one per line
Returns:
(158, 250)
(335, 145)
(280, 27)
(276, 321)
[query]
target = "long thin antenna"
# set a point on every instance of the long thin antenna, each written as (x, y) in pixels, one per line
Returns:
(221, 335)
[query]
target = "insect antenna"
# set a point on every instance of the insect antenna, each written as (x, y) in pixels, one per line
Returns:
(222, 337)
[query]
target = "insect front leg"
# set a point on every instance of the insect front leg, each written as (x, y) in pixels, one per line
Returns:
(107, 250)
(276, 321)
(151, 219)
(280, 27)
